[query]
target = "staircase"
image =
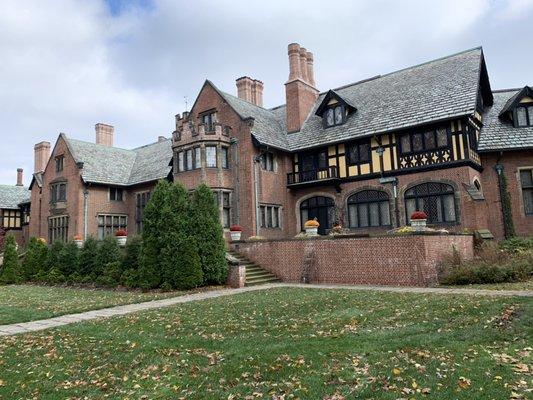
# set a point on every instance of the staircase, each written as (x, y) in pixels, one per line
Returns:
(255, 275)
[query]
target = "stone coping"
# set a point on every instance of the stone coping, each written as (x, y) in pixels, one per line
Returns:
(347, 236)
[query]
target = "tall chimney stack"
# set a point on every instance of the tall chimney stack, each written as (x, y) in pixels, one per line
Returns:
(104, 134)
(300, 90)
(41, 156)
(250, 90)
(20, 171)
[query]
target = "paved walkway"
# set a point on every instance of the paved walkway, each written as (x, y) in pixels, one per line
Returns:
(24, 327)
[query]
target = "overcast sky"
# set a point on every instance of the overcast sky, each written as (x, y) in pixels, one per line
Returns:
(66, 65)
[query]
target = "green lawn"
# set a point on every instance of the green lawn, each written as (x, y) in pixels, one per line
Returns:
(527, 285)
(21, 303)
(286, 343)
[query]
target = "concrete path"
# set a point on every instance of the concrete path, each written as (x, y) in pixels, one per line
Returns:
(32, 326)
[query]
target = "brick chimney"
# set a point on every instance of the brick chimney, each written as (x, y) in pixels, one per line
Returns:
(104, 134)
(20, 171)
(42, 154)
(300, 90)
(250, 90)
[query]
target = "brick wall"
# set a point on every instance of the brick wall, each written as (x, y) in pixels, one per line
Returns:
(385, 260)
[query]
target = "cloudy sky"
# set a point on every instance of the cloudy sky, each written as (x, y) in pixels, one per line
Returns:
(67, 64)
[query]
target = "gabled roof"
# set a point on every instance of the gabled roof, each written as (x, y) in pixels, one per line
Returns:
(332, 94)
(437, 90)
(514, 100)
(11, 196)
(268, 125)
(500, 134)
(121, 167)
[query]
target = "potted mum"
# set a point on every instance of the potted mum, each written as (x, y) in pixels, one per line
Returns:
(311, 227)
(78, 240)
(418, 220)
(235, 232)
(122, 237)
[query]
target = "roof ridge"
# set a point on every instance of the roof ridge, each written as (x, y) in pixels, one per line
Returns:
(150, 144)
(506, 90)
(97, 144)
(402, 69)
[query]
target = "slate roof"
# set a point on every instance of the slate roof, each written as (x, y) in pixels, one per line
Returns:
(269, 125)
(11, 196)
(500, 134)
(437, 90)
(121, 167)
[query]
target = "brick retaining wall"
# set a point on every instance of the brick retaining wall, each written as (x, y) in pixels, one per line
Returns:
(385, 260)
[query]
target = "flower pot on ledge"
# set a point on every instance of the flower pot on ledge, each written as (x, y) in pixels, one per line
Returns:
(311, 227)
(235, 232)
(419, 221)
(78, 240)
(122, 237)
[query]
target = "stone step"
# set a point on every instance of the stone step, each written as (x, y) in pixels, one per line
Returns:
(261, 281)
(258, 274)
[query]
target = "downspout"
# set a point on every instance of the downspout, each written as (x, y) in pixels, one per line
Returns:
(85, 211)
(257, 160)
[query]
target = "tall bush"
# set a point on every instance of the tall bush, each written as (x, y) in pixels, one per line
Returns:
(87, 259)
(69, 259)
(153, 227)
(130, 263)
(10, 270)
(205, 227)
(108, 252)
(35, 258)
(53, 259)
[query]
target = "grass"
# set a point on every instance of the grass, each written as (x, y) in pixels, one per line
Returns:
(21, 303)
(286, 343)
(527, 285)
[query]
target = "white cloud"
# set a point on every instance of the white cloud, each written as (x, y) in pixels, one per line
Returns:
(67, 64)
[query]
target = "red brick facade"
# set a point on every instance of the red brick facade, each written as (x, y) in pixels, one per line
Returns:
(408, 261)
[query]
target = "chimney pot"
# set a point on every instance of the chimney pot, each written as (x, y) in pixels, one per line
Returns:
(104, 134)
(310, 69)
(303, 64)
(161, 139)
(20, 171)
(250, 90)
(41, 156)
(294, 61)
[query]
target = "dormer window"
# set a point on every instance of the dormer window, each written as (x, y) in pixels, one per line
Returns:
(334, 116)
(524, 115)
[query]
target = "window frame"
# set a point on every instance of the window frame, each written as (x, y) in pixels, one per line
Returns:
(207, 165)
(141, 200)
(58, 228)
(13, 218)
(211, 117)
(422, 133)
(428, 195)
(526, 189)
(529, 115)
(358, 145)
(224, 157)
(116, 197)
(112, 226)
(268, 161)
(275, 220)
(352, 200)
(57, 195)
(60, 163)
(333, 109)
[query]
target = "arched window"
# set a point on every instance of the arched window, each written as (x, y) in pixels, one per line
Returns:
(368, 208)
(319, 207)
(437, 200)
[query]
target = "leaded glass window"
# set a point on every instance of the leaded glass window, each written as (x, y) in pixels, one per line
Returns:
(368, 208)
(436, 199)
(211, 156)
(526, 181)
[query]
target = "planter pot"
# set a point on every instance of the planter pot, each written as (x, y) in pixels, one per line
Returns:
(312, 231)
(418, 225)
(122, 240)
(79, 243)
(235, 235)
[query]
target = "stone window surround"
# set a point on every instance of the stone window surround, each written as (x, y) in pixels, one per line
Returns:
(203, 157)
(520, 192)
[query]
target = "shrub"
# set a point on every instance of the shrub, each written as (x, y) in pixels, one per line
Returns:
(108, 252)
(111, 274)
(54, 276)
(53, 260)
(132, 252)
(517, 245)
(492, 264)
(130, 278)
(185, 266)
(35, 259)
(10, 271)
(69, 259)
(312, 223)
(153, 225)
(87, 260)
(206, 229)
